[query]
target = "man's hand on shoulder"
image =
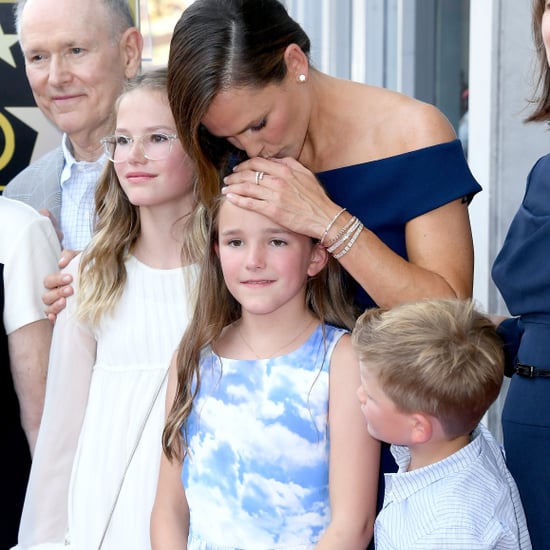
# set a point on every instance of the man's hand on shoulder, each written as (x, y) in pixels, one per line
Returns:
(58, 287)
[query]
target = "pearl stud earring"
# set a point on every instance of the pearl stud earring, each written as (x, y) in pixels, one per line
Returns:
(302, 77)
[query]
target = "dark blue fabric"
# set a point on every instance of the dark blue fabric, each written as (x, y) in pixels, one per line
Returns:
(527, 445)
(510, 331)
(522, 274)
(385, 194)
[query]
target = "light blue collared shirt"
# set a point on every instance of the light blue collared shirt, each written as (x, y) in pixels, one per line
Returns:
(78, 184)
(466, 501)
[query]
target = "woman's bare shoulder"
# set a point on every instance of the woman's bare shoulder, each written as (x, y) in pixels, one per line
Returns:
(406, 122)
(369, 123)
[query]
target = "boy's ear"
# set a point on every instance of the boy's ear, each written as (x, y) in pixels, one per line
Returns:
(421, 428)
(319, 259)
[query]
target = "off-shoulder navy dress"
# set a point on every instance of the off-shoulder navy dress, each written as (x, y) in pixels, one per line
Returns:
(387, 193)
(522, 274)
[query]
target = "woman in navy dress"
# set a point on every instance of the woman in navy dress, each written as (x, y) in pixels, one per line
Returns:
(522, 274)
(378, 177)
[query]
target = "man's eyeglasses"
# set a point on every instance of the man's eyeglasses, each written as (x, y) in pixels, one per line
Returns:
(154, 146)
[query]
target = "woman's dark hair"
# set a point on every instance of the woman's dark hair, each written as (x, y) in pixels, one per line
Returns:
(218, 44)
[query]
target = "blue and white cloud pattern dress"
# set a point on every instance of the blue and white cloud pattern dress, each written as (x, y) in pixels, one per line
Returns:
(257, 474)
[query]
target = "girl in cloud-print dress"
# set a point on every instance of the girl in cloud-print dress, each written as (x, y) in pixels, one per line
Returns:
(260, 447)
(265, 446)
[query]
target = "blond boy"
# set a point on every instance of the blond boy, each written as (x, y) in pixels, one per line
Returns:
(429, 371)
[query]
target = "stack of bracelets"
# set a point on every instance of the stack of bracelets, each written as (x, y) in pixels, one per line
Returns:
(343, 241)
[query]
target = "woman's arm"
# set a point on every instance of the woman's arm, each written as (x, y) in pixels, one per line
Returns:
(32, 253)
(170, 514)
(29, 348)
(440, 265)
(354, 458)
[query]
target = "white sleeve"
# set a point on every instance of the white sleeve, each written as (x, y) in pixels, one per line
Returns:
(36, 251)
(44, 520)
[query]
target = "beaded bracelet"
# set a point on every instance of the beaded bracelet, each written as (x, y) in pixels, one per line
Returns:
(330, 224)
(342, 231)
(349, 232)
(350, 244)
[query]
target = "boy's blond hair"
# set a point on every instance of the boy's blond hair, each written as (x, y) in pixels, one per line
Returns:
(439, 357)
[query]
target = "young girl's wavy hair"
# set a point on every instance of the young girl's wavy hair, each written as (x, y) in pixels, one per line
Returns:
(102, 271)
(326, 297)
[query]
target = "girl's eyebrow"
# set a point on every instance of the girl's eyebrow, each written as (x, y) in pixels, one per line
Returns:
(149, 130)
(267, 231)
(229, 232)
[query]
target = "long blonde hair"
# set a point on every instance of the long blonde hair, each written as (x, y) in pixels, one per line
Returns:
(102, 271)
(326, 297)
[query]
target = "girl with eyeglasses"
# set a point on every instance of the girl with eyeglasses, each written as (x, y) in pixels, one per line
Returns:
(97, 458)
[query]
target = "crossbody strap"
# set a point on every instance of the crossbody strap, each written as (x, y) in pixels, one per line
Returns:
(138, 439)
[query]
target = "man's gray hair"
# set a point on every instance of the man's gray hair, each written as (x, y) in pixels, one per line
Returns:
(122, 17)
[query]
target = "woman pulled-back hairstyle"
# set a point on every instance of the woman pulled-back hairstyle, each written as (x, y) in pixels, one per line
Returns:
(218, 44)
(326, 297)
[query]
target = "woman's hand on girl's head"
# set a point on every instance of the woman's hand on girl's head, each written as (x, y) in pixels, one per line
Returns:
(284, 191)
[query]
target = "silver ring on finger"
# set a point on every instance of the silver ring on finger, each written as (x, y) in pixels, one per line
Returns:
(259, 177)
